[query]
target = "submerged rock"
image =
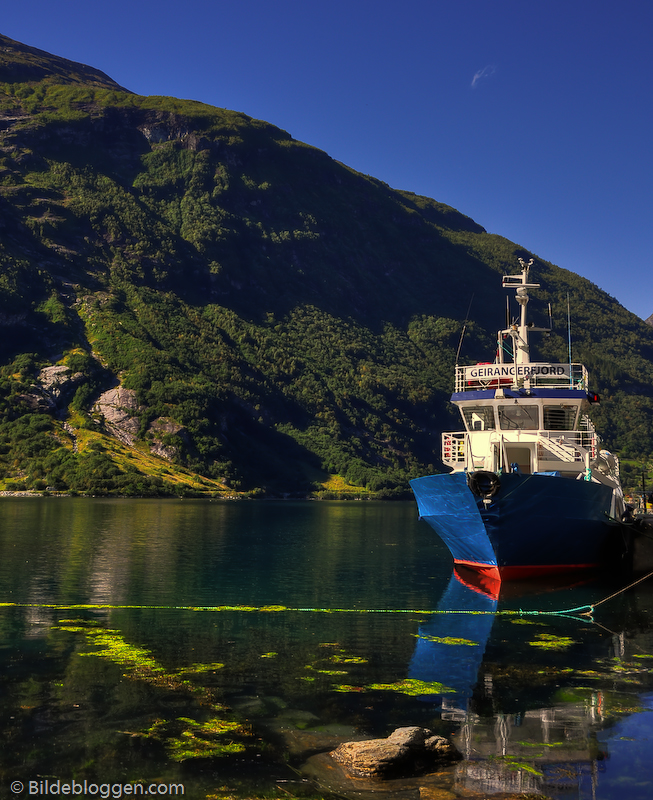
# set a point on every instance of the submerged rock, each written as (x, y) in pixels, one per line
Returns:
(407, 750)
(437, 782)
(328, 774)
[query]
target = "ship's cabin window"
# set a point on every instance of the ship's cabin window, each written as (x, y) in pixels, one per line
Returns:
(560, 418)
(479, 418)
(517, 417)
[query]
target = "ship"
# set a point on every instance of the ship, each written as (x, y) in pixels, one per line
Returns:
(530, 492)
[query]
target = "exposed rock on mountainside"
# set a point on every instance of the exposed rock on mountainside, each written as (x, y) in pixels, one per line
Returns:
(161, 431)
(59, 382)
(119, 409)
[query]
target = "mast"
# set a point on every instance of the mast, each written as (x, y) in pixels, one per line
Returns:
(519, 331)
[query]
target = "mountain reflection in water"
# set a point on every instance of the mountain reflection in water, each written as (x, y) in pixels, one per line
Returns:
(556, 704)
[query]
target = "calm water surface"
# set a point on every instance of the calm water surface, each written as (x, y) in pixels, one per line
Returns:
(194, 618)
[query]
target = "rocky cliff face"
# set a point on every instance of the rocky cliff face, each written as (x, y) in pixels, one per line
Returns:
(119, 412)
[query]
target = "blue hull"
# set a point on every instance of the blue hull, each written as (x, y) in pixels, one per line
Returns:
(438, 658)
(533, 525)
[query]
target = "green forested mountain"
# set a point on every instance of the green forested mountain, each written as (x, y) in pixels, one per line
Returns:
(191, 300)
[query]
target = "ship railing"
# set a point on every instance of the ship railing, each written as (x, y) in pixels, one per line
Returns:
(454, 448)
(586, 424)
(521, 376)
(568, 446)
(457, 452)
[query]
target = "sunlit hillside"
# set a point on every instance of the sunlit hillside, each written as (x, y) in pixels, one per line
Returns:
(227, 303)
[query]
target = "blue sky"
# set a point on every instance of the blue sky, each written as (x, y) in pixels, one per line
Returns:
(534, 118)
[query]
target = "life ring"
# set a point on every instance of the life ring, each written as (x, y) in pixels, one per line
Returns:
(483, 483)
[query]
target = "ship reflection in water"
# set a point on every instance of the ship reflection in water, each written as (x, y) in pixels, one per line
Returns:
(515, 740)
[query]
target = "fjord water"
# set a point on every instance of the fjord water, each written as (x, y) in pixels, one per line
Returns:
(311, 623)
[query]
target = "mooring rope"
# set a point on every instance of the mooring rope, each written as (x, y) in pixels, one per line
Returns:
(620, 591)
(260, 609)
(584, 610)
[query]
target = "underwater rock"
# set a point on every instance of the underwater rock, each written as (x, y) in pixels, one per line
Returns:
(301, 744)
(325, 772)
(249, 706)
(406, 751)
(297, 718)
(300, 733)
(439, 784)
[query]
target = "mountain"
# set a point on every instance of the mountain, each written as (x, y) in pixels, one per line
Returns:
(193, 301)
(20, 63)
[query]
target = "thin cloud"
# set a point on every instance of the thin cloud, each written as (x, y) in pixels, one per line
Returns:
(483, 74)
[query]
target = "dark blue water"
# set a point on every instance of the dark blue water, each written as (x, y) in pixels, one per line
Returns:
(312, 622)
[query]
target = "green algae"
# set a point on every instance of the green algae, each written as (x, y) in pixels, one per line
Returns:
(271, 654)
(549, 641)
(446, 640)
(198, 669)
(543, 744)
(344, 659)
(512, 764)
(613, 703)
(346, 688)
(326, 671)
(110, 645)
(139, 662)
(551, 672)
(184, 738)
(409, 686)
(413, 687)
(615, 668)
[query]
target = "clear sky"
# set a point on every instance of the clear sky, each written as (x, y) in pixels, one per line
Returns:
(534, 118)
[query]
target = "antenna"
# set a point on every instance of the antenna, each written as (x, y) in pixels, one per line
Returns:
(569, 337)
(462, 332)
(460, 343)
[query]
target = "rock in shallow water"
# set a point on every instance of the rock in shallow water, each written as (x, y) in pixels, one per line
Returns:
(440, 784)
(329, 775)
(406, 751)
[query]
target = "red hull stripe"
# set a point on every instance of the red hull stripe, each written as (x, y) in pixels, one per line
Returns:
(491, 570)
(481, 582)
(517, 572)
(531, 571)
